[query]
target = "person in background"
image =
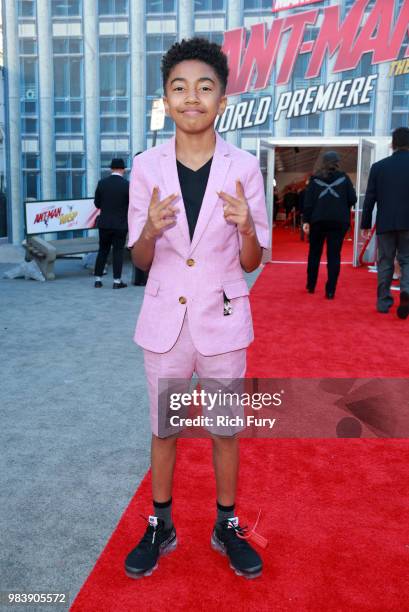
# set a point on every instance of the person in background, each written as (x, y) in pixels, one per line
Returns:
(276, 203)
(112, 197)
(301, 198)
(388, 187)
(290, 200)
(327, 203)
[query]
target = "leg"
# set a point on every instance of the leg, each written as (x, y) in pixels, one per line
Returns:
(105, 241)
(227, 367)
(317, 238)
(244, 560)
(163, 459)
(335, 238)
(118, 244)
(403, 258)
(178, 363)
(387, 244)
(226, 468)
(160, 535)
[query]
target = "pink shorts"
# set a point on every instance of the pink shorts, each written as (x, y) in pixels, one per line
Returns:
(181, 362)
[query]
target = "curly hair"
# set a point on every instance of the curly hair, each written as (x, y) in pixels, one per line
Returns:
(199, 49)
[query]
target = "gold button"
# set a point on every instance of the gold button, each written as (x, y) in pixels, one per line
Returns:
(182, 300)
(190, 262)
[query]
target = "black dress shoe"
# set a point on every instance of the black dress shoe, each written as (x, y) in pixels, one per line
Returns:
(310, 289)
(120, 285)
(403, 308)
(329, 295)
(97, 284)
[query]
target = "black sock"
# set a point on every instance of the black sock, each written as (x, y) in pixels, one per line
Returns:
(163, 510)
(224, 512)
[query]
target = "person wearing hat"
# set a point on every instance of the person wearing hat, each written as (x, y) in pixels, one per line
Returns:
(328, 200)
(112, 198)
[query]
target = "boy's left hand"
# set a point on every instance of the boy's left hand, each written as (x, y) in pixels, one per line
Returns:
(236, 210)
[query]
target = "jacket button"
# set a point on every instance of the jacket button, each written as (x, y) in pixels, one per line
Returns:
(190, 262)
(182, 300)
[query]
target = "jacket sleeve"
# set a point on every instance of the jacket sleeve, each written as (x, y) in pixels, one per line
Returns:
(308, 202)
(97, 197)
(255, 196)
(351, 193)
(139, 199)
(370, 200)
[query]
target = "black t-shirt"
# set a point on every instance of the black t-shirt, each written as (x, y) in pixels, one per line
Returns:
(193, 186)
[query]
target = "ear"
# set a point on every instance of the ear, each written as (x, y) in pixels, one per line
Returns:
(222, 105)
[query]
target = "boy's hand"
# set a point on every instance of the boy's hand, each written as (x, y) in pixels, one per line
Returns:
(160, 214)
(236, 210)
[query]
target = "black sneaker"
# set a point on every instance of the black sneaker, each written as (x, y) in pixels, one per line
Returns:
(120, 285)
(157, 541)
(244, 560)
(97, 284)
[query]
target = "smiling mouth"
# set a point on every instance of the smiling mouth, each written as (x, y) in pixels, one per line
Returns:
(192, 112)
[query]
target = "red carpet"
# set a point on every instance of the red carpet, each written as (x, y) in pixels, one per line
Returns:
(287, 246)
(335, 511)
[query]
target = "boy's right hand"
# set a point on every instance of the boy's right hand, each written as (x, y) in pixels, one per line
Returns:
(161, 214)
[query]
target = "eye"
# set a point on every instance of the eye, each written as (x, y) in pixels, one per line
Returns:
(206, 88)
(178, 88)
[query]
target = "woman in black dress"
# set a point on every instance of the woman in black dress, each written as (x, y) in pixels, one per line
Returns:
(328, 200)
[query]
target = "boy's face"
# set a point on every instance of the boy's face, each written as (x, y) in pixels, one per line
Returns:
(193, 96)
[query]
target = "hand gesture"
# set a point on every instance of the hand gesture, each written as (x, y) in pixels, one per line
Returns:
(306, 228)
(236, 210)
(161, 214)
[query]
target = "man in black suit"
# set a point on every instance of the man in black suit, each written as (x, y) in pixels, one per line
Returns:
(388, 187)
(112, 197)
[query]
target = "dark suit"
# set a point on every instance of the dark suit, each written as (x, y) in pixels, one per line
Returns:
(388, 188)
(112, 197)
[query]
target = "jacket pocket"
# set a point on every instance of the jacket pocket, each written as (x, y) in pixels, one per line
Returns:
(236, 288)
(152, 286)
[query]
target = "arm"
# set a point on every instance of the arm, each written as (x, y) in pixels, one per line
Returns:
(258, 237)
(369, 202)
(147, 218)
(351, 193)
(251, 251)
(308, 202)
(236, 210)
(97, 197)
(248, 211)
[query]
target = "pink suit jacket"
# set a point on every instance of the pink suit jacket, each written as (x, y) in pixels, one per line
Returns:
(192, 275)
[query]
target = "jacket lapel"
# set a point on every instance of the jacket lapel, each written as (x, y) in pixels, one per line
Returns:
(171, 181)
(220, 165)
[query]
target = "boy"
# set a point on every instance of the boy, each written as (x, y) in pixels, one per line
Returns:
(197, 217)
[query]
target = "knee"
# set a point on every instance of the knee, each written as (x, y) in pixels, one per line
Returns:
(167, 442)
(221, 442)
